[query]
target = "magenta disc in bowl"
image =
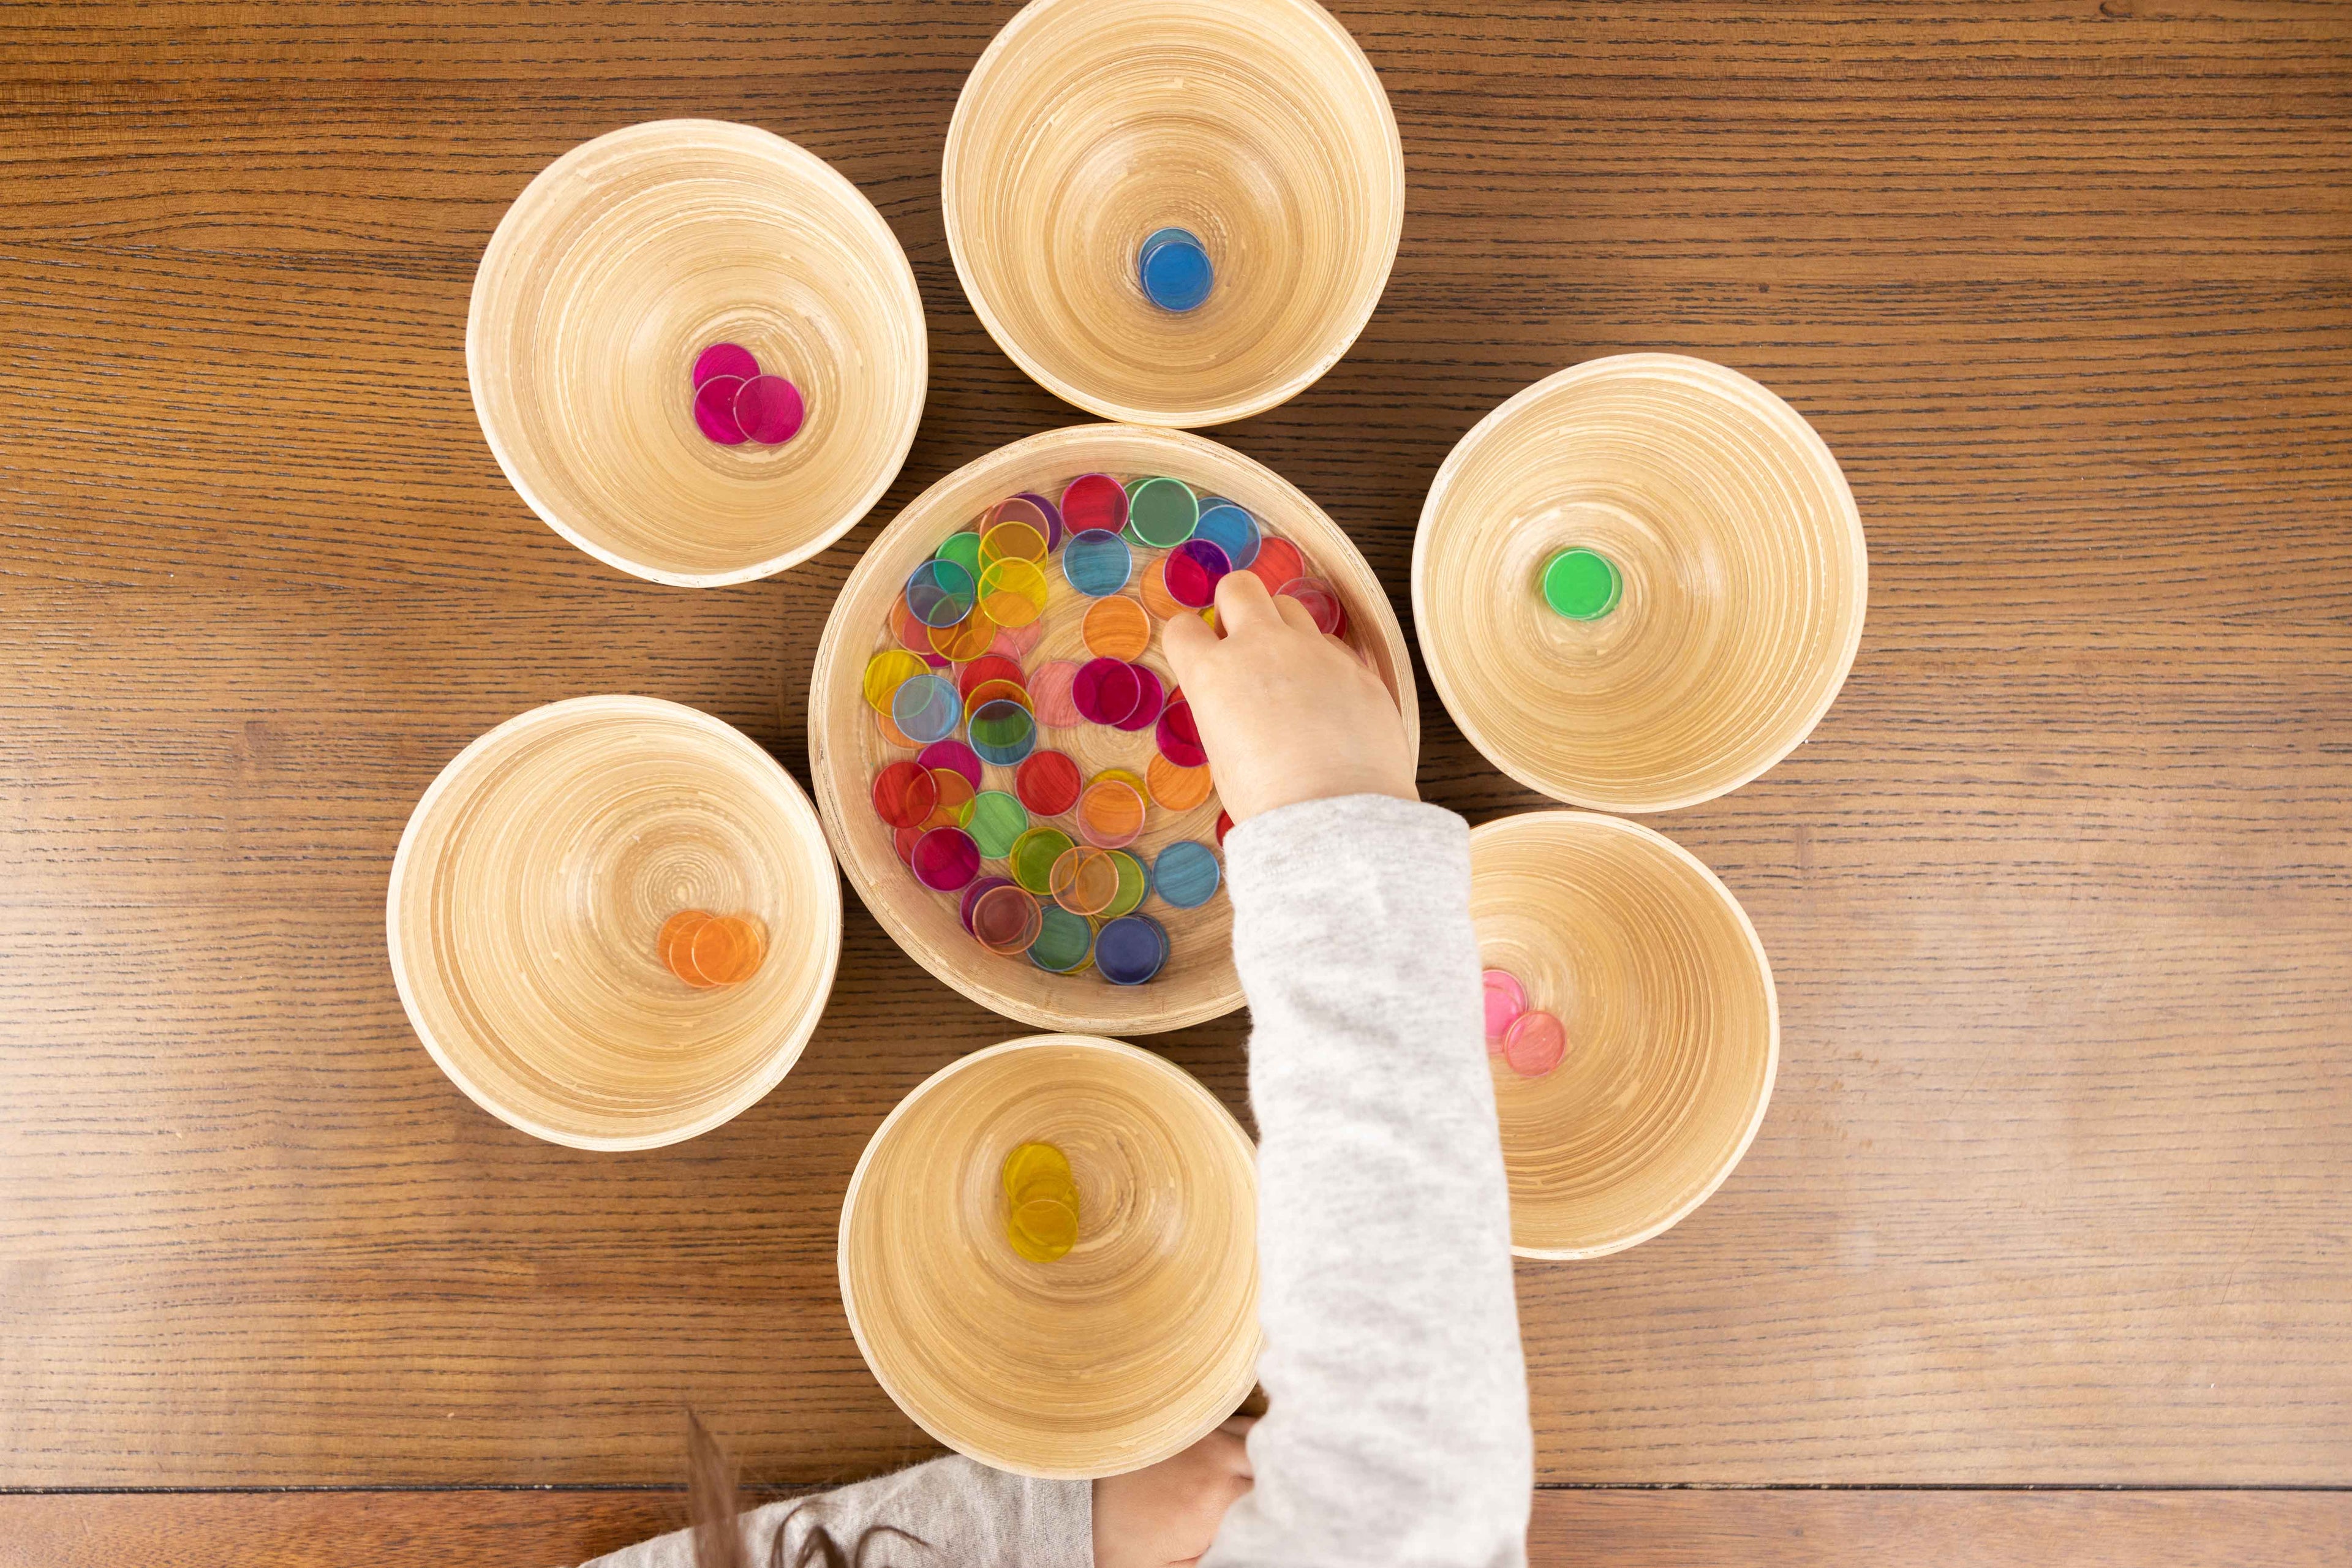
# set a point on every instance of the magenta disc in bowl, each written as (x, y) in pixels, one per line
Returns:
(725, 358)
(945, 860)
(1192, 571)
(768, 409)
(1180, 737)
(1106, 691)
(714, 410)
(1148, 702)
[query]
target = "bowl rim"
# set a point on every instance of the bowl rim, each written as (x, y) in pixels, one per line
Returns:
(863, 212)
(1732, 384)
(1223, 1118)
(787, 1052)
(1199, 416)
(1646, 835)
(837, 638)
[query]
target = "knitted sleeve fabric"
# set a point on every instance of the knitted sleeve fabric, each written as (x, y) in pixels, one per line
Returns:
(1397, 1431)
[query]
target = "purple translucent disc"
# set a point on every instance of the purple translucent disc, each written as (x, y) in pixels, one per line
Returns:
(1193, 572)
(1053, 519)
(714, 410)
(1180, 737)
(952, 754)
(971, 895)
(945, 860)
(1106, 691)
(725, 358)
(770, 410)
(1148, 702)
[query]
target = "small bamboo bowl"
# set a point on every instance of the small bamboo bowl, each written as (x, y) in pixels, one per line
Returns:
(1745, 581)
(1672, 1025)
(1127, 1350)
(530, 890)
(1256, 124)
(614, 269)
(846, 748)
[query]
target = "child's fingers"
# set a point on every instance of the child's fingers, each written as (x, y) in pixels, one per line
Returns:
(1186, 638)
(1297, 615)
(1243, 603)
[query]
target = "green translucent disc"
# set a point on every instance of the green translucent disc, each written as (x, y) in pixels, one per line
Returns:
(1582, 584)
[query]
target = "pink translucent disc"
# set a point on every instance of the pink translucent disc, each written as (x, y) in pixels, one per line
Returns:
(1015, 642)
(1050, 694)
(1534, 1043)
(768, 409)
(1148, 702)
(714, 410)
(725, 358)
(1506, 1000)
(1106, 691)
(954, 755)
(1321, 602)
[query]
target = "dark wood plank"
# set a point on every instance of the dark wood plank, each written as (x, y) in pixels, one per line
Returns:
(2056, 897)
(1603, 1528)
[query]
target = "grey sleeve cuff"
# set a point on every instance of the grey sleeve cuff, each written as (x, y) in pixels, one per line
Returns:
(963, 1511)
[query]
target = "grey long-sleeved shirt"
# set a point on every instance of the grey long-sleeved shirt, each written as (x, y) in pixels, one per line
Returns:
(1396, 1432)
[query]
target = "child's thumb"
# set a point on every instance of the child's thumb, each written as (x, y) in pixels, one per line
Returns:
(1188, 640)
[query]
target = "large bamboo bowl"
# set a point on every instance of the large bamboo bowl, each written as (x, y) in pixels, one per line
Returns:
(1125, 1352)
(847, 747)
(1745, 580)
(614, 269)
(530, 888)
(1672, 1025)
(1256, 124)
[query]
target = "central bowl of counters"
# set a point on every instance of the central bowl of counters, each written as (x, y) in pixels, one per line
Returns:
(1004, 760)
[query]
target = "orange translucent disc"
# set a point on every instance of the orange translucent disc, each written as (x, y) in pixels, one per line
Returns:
(1117, 627)
(1155, 596)
(1110, 814)
(676, 932)
(1085, 881)
(988, 692)
(955, 794)
(966, 641)
(1178, 789)
(893, 735)
(911, 633)
(727, 950)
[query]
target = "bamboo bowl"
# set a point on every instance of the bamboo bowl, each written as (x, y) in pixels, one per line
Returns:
(1256, 124)
(526, 900)
(614, 269)
(1125, 1352)
(1744, 573)
(1673, 1028)
(847, 747)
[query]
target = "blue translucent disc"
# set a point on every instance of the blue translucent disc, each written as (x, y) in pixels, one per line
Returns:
(1230, 530)
(1131, 950)
(1176, 271)
(1096, 562)
(1186, 874)
(1002, 733)
(927, 707)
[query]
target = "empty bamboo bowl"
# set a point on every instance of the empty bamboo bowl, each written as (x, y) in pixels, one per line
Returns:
(1742, 582)
(847, 747)
(1124, 1352)
(1087, 126)
(1674, 1031)
(530, 891)
(616, 267)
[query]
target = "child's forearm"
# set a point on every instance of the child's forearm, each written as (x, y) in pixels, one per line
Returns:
(1398, 1428)
(969, 1514)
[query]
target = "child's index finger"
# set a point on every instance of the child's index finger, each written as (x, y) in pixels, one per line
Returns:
(1244, 604)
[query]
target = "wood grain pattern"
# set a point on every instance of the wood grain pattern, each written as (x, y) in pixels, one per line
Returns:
(2051, 1189)
(1576, 1528)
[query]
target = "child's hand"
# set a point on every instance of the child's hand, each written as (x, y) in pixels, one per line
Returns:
(1167, 1514)
(1285, 713)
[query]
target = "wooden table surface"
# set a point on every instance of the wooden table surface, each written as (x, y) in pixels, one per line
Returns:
(2051, 1193)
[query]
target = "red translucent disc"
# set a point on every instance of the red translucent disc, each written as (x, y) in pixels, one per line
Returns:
(987, 666)
(1094, 500)
(1048, 784)
(953, 755)
(905, 793)
(1279, 562)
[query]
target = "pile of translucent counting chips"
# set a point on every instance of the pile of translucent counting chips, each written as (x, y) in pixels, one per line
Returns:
(1530, 1042)
(734, 403)
(1050, 861)
(1041, 1202)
